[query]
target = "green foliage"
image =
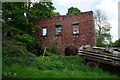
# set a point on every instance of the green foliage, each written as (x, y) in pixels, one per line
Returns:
(36, 28)
(55, 14)
(32, 43)
(41, 10)
(73, 10)
(14, 48)
(116, 43)
(51, 67)
(13, 16)
(103, 28)
(20, 25)
(53, 48)
(100, 42)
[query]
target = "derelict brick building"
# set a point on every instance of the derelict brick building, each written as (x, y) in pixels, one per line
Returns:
(68, 32)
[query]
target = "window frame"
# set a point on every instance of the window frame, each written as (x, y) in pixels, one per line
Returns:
(73, 28)
(58, 29)
(44, 28)
(57, 33)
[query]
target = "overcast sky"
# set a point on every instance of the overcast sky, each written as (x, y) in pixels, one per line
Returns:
(110, 7)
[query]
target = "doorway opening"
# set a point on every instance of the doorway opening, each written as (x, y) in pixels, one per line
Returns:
(71, 51)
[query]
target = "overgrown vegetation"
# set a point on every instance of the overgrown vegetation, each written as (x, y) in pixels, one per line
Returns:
(18, 62)
(51, 67)
(32, 43)
(17, 19)
(13, 48)
(20, 50)
(53, 49)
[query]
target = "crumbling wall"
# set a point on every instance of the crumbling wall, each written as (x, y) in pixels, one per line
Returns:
(66, 38)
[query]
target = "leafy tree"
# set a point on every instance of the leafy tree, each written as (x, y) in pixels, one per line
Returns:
(13, 16)
(18, 17)
(73, 10)
(55, 14)
(102, 28)
(41, 10)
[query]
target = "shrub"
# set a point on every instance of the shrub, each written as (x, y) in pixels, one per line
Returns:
(32, 43)
(53, 48)
(15, 48)
(116, 43)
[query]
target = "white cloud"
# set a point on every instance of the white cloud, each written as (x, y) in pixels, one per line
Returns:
(110, 8)
(65, 2)
(114, 30)
(84, 5)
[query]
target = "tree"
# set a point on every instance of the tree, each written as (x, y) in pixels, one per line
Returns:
(41, 10)
(55, 14)
(73, 10)
(20, 25)
(102, 28)
(14, 14)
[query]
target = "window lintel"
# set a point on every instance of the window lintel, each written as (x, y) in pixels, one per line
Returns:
(76, 23)
(44, 27)
(58, 25)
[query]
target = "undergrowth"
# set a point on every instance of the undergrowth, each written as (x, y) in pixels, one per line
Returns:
(20, 63)
(51, 67)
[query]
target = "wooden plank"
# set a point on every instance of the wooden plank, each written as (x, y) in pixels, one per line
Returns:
(104, 55)
(100, 61)
(96, 57)
(101, 56)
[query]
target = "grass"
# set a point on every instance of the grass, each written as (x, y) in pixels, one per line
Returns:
(28, 72)
(52, 67)
(18, 62)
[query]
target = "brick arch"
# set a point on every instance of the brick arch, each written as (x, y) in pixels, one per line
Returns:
(70, 50)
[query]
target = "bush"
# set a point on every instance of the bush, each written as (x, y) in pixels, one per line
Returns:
(32, 43)
(116, 43)
(15, 48)
(101, 45)
(54, 49)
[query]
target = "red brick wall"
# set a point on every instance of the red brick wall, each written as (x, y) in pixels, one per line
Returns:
(86, 26)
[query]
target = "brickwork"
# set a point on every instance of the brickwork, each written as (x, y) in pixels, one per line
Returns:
(66, 38)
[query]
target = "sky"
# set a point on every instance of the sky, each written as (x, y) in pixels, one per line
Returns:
(110, 8)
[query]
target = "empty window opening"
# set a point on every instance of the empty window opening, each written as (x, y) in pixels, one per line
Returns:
(58, 29)
(76, 28)
(44, 31)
